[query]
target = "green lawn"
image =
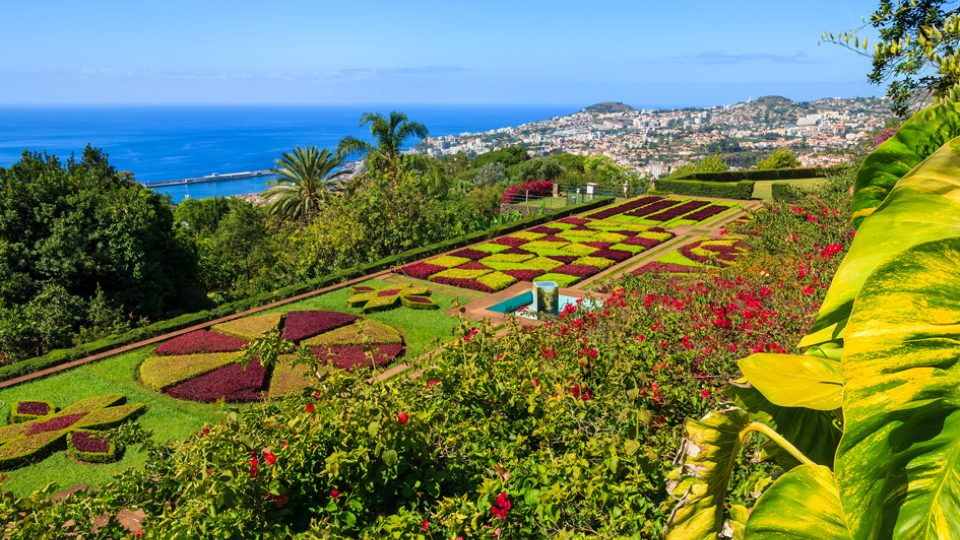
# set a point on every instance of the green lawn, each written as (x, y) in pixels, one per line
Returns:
(172, 419)
(764, 188)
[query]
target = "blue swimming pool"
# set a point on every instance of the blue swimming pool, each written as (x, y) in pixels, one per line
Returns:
(526, 300)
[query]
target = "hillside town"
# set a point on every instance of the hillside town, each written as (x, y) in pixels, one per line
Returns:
(653, 142)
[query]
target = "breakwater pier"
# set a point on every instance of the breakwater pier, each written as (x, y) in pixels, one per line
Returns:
(215, 177)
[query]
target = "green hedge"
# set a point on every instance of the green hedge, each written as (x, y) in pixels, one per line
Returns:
(741, 190)
(62, 356)
(756, 176)
(783, 192)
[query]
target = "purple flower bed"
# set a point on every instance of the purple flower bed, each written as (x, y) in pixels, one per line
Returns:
(516, 251)
(524, 275)
(726, 254)
(659, 230)
(565, 259)
(582, 228)
(300, 325)
(198, 342)
(707, 212)
(464, 283)
(509, 241)
(687, 251)
(576, 270)
(85, 441)
(472, 254)
(678, 211)
(55, 424)
(350, 357)
(645, 242)
(362, 289)
(388, 292)
(617, 255)
(554, 239)
(573, 221)
(599, 245)
(543, 229)
(419, 300)
(235, 384)
(420, 270)
(626, 233)
(626, 207)
(665, 268)
(36, 408)
(473, 265)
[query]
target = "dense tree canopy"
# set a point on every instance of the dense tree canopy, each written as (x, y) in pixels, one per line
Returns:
(511, 155)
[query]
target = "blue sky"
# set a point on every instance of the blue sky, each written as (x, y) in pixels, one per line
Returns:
(687, 53)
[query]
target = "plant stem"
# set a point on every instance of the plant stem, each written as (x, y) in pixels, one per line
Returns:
(777, 438)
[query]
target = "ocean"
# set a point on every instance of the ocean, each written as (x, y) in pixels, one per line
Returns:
(175, 142)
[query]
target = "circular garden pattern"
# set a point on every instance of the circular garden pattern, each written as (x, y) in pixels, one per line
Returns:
(203, 365)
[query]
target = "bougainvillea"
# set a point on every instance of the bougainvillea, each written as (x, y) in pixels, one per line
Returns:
(298, 325)
(26, 442)
(537, 189)
(200, 341)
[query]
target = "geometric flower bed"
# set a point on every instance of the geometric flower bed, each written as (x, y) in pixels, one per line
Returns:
(696, 256)
(31, 437)
(566, 251)
(657, 210)
(405, 294)
(203, 366)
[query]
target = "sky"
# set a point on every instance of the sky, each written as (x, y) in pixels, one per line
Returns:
(298, 52)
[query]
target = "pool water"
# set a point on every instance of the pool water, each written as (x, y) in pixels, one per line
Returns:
(526, 300)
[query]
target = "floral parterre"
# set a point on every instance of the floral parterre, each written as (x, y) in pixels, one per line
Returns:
(585, 247)
(371, 299)
(211, 370)
(34, 437)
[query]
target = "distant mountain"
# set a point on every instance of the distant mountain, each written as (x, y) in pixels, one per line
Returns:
(608, 107)
(772, 100)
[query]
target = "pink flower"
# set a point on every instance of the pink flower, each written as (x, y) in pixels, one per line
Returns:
(253, 468)
(403, 418)
(425, 525)
(309, 407)
(269, 458)
(808, 290)
(334, 493)
(705, 393)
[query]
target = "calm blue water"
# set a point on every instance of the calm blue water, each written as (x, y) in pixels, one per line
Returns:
(169, 143)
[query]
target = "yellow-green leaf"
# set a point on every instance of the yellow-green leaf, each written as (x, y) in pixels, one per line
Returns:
(898, 462)
(790, 380)
(802, 504)
(924, 206)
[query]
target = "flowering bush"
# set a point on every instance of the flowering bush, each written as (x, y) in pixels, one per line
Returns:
(352, 357)
(531, 189)
(199, 341)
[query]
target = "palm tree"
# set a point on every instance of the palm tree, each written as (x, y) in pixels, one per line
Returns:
(302, 188)
(389, 134)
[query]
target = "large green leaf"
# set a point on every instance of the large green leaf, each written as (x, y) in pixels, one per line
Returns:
(790, 380)
(898, 465)
(916, 139)
(924, 206)
(814, 433)
(706, 458)
(802, 503)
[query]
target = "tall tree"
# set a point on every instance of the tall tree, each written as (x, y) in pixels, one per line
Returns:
(390, 134)
(303, 186)
(916, 51)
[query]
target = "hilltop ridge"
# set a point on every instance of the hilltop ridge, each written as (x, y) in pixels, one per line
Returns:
(608, 107)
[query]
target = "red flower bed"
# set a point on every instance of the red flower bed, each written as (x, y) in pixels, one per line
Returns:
(626, 207)
(543, 229)
(199, 342)
(300, 325)
(350, 357)
(552, 238)
(516, 251)
(472, 254)
(55, 424)
(420, 270)
(617, 255)
(678, 211)
(652, 208)
(645, 242)
(626, 233)
(473, 266)
(599, 245)
(465, 283)
(509, 241)
(419, 300)
(583, 228)
(576, 270)
(573, 221)
(235, 384)
(659, 229)
(726, 254)
(707, 212)
(388, 292)
(36, 408)
(531, 189)
(565, 259)
(524, 275)
(88, 442)
(665, 268)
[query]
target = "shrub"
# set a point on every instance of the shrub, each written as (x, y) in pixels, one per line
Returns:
(491, 247)
(510, 241)
(741, 190)
(665, 268)
(543, 263)
(565, 259)
(536, 189)
(510, 258)
(90, 447)
(199, 341)
(420, 270)
(419, 302)
(579, 249)
(527, 235)
(541, 244)
(758, 175)
(497, 280)
(563, 280)
(25, 411)
(466, 283)
(602, 262)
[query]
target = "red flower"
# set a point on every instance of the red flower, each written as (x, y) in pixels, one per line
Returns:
(309, 407)
(431, 383)
(138, 534)
(269, 458)
(502, 505)
(425, 525)
(280, 499)
(334, 493)
(705, 393)
(403, 418)
(808, 290)
(253, 468)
